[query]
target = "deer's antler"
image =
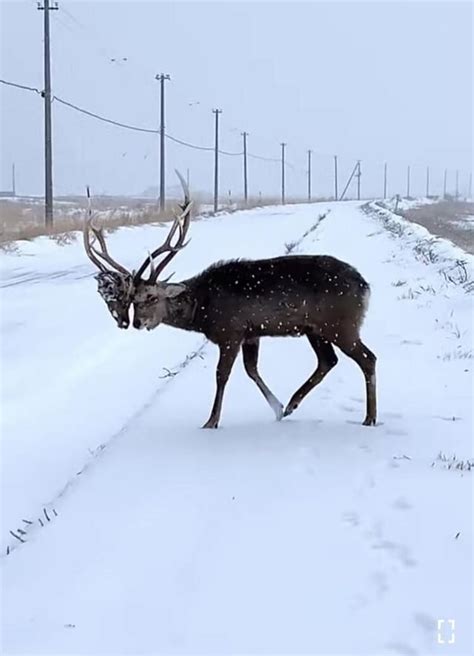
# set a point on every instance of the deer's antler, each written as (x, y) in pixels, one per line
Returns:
(98, 257)
(181, 225)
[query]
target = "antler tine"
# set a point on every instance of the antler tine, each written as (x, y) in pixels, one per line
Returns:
(104, 253)
(181, 223)
(185, 187)
(92, 252)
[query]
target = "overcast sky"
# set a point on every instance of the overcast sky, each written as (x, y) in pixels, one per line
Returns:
(376, 81)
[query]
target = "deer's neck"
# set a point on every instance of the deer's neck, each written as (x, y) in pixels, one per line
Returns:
(181, 312)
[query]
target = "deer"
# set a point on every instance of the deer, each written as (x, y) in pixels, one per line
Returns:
(237, 302)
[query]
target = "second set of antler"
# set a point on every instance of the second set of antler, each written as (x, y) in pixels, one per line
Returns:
(236, 303)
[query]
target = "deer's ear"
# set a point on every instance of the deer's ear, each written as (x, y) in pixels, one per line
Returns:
(172, 290)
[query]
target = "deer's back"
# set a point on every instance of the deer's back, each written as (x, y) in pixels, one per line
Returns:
(287, 295)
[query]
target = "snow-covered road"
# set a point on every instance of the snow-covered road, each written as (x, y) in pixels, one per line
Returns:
(313, 535)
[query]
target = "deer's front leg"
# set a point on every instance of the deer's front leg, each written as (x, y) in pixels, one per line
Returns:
(227, 354)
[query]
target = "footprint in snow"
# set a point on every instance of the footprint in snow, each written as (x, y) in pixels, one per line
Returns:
(359, 423)
(358, 601)
(401, 504)
(380, 582)
(392, 415)
(351, 518)
(427, 623)
(395, 431)
(348, 408)
(398, 551)
(402, 648)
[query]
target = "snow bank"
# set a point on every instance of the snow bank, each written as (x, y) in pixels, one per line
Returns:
(452, 263)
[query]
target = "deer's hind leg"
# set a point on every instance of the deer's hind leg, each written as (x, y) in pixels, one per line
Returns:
(327, 359)
(250, 356)
(358, 351)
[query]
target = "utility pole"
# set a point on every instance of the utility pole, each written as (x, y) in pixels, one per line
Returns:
(385, 181)
(48, 139)
(216, 160)
(283, 144)
(246, 189)
(335, 177)
(408, 181)
(457, 185)
(427, 182)
(358, 174)
(469, 192)
(161, 78)
(445, 182)
(13, 180)
(309, 175)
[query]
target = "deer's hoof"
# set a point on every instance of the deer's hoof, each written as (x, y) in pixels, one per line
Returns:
(289, 409)
(210, 424)
(369, 421)
(279, 413)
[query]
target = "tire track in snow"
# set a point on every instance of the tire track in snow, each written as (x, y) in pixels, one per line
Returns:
(34, 278)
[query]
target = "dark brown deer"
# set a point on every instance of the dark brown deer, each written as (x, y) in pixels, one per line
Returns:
(235, 303)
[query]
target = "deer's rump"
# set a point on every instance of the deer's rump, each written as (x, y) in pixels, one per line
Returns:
(289, 295)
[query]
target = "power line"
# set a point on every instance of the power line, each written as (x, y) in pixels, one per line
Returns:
(172, 138)
(136, 128)
(265, 159)
(226, 152)
(104, 119)
(126, 126)
(74, 19)
(21, 86)
(185, 143)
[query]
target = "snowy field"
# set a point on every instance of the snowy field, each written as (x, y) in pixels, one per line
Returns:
(126, 529)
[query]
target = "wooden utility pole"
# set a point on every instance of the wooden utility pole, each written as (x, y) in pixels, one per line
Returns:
(427, 182)
(48, 138)
(246, 189)
(283, 144)
(445, 181)
(161, 78)
(408, 181)
(335, 177)
(457, 185)
(216, 159)
(309, 175)
(469, 191)
(385, 181)
(13, 180)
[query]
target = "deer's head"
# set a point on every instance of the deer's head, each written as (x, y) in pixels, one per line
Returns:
(120, 288)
